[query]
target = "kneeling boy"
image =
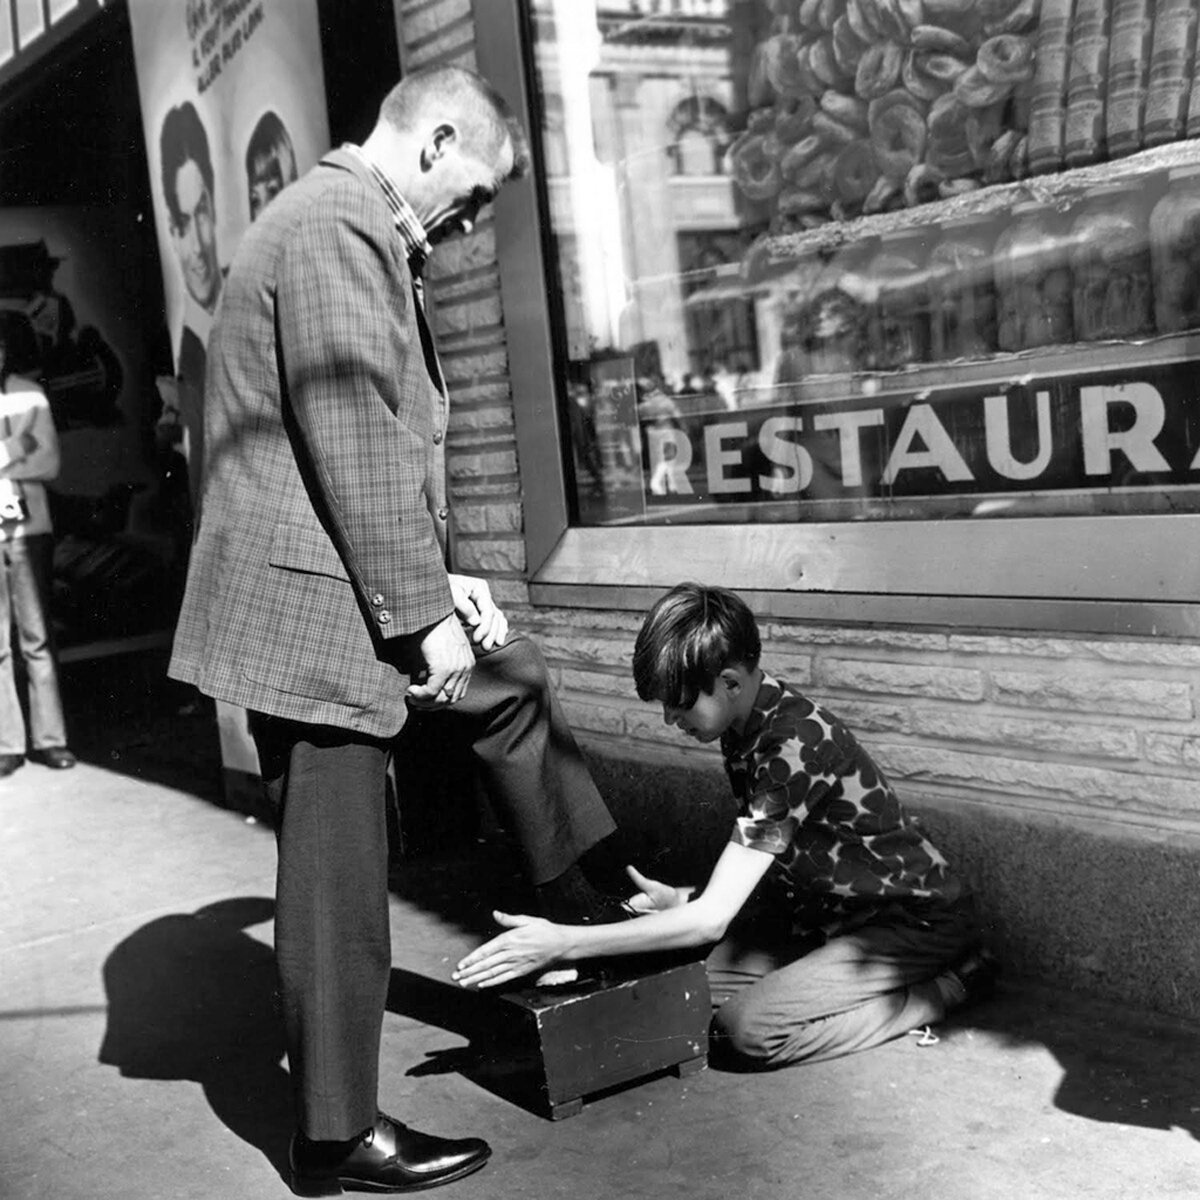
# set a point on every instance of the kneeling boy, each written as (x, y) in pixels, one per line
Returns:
(837, 924)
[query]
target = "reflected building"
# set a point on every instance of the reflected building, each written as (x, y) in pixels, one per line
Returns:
(639, 103)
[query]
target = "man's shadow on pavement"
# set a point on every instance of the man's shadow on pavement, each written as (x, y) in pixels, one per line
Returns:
(1120, 1064)
(193, 996)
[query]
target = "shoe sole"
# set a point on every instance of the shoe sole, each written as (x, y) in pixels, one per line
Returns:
(337, 1185)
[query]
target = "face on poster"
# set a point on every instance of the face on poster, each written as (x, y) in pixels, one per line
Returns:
(233, 104)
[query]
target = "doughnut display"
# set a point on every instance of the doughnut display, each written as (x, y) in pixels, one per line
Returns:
(854, 173)
(850, 97)
(754, 170)
(799, 156)
(1006, 58)
(878, 70)
(898, 134)
(976, 90)
(940, 40)
(865, 106)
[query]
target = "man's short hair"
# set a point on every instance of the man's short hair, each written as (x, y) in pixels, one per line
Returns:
(688, 638)
(183, 138)
(489, 122)
(270, 151)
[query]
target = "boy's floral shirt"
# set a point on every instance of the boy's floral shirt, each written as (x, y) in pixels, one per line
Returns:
(810, 795)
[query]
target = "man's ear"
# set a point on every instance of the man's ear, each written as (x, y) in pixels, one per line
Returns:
(731, 681)
(441, 138)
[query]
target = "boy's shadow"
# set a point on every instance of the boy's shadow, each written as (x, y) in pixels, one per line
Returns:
(1119, 1065)
(192, 996)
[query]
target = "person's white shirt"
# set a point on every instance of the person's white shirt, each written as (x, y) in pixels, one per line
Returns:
(29, 455)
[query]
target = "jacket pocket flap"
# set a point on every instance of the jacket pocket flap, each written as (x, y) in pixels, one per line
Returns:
(299, 549)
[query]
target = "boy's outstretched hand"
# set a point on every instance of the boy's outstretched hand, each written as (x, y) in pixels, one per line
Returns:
(529, 944)
(653, 896)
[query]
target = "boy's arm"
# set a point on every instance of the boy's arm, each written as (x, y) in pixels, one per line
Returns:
(530, 943)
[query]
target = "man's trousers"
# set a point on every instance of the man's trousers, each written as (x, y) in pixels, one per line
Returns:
(332, 937)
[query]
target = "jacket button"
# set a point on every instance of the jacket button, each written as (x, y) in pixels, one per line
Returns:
(437, 438)
(377, 600)
(443, 513)
(384, 617)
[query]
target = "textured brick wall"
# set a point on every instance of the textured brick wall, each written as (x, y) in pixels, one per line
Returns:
(1080, 727)
(1062, 772)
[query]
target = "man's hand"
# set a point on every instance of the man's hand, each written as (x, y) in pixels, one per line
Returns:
(474, 604)
(449, 661)
(654, 896)
(530, 944)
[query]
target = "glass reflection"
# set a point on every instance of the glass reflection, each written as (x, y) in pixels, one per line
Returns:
(828, 259)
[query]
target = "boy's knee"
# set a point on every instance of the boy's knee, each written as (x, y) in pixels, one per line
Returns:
(739, 1033)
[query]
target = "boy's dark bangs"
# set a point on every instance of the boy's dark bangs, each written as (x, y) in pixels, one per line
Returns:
(668, 684)
(693, 670)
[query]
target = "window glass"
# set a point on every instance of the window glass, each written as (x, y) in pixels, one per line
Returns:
(826, 260)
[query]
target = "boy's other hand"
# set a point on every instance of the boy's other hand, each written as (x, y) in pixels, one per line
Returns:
(528, 945)
(654, 896)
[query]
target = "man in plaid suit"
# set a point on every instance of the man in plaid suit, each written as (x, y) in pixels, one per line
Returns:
(318, 596)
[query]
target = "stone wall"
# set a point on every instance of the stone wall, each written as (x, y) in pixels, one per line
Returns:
(1063, 773)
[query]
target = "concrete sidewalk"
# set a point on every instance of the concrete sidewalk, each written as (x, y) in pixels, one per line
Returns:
(141, 1058)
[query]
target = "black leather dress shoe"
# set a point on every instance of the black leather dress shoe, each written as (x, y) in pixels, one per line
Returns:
(10, 762)
(59, 758)
(389, 1157)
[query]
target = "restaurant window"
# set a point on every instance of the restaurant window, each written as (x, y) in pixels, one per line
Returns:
(823, 264)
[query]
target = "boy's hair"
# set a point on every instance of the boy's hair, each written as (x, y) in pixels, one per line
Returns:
(688, 638)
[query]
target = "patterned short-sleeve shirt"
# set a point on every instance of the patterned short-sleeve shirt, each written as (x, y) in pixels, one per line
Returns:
(811, 796)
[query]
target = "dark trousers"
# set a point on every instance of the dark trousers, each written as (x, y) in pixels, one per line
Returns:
(332, 935)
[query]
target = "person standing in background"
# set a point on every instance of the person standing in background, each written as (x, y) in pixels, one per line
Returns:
(28, 460)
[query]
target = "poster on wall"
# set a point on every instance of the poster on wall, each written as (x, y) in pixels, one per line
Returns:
(72, 312)
(233, 107)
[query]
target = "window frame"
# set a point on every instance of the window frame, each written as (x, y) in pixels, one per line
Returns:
(1135, 575)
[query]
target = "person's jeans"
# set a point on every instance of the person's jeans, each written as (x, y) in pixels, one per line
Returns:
(25, 576)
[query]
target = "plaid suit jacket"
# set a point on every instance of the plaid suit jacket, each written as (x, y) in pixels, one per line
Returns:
(322, 536)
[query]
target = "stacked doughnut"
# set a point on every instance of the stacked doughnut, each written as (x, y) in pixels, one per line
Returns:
(859, 106)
